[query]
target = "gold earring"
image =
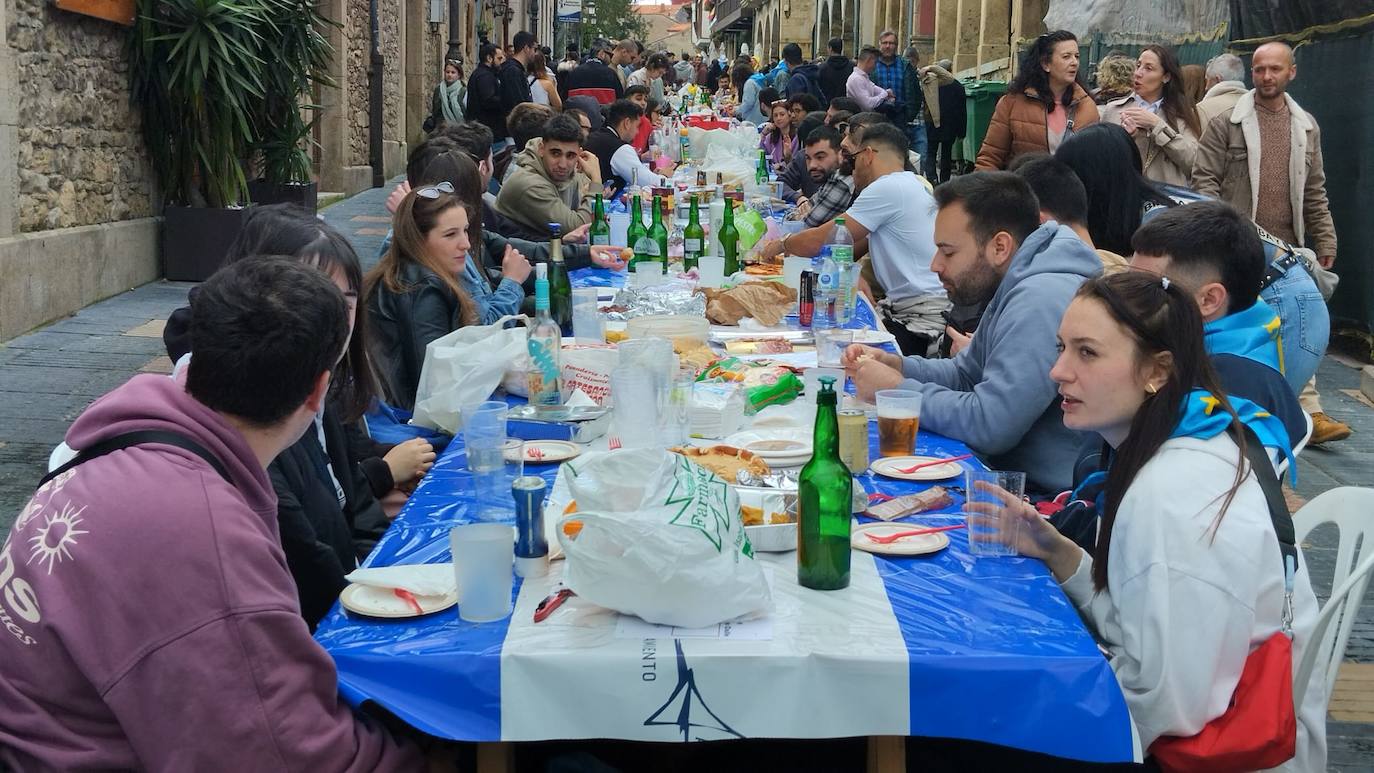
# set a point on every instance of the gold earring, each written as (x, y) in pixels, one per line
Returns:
(1151, 389)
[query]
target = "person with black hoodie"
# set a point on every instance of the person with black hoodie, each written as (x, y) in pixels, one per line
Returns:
(328, 482)
(514, 75)
(484, 94)
(595, 72)
(835, 70)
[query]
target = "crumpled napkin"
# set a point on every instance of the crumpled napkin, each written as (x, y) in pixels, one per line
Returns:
(417, 579)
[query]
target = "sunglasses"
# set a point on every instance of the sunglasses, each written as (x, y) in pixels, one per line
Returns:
(847, 156)
(433, 191)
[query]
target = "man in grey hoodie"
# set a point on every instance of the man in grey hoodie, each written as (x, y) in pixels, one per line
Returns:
(996, 394)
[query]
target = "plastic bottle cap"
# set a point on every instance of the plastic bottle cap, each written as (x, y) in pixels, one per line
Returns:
(827, 383)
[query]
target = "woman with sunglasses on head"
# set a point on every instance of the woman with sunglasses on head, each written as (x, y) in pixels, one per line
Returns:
(1187, 576)
(1045, 104)
(779, 140)
(1159, 116)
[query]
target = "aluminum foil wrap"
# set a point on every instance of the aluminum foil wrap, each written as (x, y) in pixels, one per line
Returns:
(673, 296)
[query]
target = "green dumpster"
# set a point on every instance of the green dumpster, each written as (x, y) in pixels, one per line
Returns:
(981, 99)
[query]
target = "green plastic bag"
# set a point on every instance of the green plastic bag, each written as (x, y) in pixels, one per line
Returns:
(751, 228)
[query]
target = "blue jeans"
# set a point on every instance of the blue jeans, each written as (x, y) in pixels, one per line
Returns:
(916, 135)
(1305, 324)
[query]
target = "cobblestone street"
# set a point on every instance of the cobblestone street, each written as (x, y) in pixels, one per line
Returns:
(47, 377)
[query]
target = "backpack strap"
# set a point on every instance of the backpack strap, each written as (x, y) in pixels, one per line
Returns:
(1273, 495)
(138, 438)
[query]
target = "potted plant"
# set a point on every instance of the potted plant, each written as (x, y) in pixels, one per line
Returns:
(196, 77)
(300, 57)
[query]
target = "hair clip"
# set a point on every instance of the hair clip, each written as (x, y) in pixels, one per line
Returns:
(1164, 280)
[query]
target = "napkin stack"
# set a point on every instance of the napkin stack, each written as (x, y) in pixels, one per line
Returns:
(717, 410)
(418, 579)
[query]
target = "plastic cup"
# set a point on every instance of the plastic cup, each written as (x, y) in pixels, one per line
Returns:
(675, 412)
(711, 271)
(634, 392)
(993, 527)
(483, 561)
(792, 268)
(484, 422)
(830, 346)
(494, 468)
(620, 226)
(899, 419)
(588, 325)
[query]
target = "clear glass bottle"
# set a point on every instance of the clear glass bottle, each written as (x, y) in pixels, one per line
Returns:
(545, 346)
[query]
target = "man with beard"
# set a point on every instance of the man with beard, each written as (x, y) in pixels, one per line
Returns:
(553, 182)
(835, 188)
(996, 395)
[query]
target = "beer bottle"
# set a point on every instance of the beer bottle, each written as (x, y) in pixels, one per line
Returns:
(729, 240)
(824, 507)
(693, 238)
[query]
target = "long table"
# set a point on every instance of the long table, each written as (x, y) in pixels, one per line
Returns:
(944, 645)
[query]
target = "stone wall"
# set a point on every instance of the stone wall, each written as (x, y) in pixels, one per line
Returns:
(357, 40)
(393, 97)
(80, 154)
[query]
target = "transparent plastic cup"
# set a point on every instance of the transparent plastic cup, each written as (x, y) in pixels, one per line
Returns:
(494, 468)
(992, 526)
(483, 562)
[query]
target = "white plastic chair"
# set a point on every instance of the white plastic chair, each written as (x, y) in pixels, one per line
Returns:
(1352, 510)
(1281, 464)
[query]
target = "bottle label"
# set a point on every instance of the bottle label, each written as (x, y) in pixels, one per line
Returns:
(842, 252)
(647, 250)
(601, 239)
(827, 281)
(691, 245)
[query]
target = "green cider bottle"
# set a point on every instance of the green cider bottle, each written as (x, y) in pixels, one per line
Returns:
(761, 169)
(560, 287)
(635, 232)
(693, 237)
(659, 233)
(600, 232)
(824, 506)
(729, 239)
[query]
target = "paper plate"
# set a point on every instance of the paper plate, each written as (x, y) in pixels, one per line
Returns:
(917, 545)
(888, 467)
(782, 447)
(866, 336)
(548, 451)
(376, 602)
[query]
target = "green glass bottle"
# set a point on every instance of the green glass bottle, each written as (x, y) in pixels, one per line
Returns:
(600, 232)
(729, 239)
(824, 506)
(635, 231)
(659, 233)
(761, 170)
(560, 287)
(693, 237)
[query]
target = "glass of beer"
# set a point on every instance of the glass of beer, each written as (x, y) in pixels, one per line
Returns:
(899, 417)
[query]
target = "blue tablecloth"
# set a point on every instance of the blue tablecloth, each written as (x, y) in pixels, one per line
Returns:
(996, 653)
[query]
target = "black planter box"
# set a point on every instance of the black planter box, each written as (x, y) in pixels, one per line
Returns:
(306, 195)
(195, 240)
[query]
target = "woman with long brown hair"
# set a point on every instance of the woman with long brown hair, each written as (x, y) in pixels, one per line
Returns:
(1187, 576)
(1160, 117)
(415, 294)
(1044, 104)
(543, 88)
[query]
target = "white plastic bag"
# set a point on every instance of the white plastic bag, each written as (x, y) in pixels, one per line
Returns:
(462, 368)
(660, 538)
(588, 368)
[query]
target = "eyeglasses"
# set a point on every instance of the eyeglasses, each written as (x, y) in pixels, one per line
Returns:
(847, 156)
(433, 191)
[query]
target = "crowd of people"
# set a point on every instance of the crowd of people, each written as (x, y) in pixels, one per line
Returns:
(1117, 303)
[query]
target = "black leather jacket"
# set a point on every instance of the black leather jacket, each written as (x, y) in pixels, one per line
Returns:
(403, 324)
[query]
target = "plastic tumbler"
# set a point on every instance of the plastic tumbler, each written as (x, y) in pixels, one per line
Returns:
(711, 271)
(634, 392)
(830, 346)
(992, 525)
(899, 420)
(484, 421)
(494, 468)
(483, 561)
(588, 325)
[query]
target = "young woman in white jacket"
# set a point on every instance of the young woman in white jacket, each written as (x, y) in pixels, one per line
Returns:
(1186, 578)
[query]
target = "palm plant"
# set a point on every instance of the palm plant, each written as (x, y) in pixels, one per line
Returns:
(196, 71)
(299, 55)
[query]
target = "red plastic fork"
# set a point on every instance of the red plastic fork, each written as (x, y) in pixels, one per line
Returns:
(888, 539)
(923, 465)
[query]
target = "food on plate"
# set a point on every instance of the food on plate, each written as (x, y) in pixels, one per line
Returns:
(698, 358)
(751, 515)
(933, 498)
(772, 345)
(724, 461)
(763, 383)
(763, 269)
(616, 336)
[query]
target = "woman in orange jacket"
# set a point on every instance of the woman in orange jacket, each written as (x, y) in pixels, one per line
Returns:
(1044, 103)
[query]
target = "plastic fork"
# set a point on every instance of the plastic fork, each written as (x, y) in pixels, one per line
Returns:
(932, 463)
(888, 539)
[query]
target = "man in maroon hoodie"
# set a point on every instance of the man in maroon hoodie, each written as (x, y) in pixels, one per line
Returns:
(147, 617)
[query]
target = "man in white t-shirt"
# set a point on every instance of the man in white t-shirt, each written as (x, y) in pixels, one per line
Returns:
(893, 221)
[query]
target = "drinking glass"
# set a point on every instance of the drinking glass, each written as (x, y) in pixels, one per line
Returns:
(494, 467)
(588, 325)
(484, 421)
(992, 526)
(675, 414)
(483, 562)
(899, 419)
(634, 394)
(711, 271)
(830, 346)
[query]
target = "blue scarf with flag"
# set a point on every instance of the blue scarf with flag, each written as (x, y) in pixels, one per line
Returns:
(1204, 418)
(1252, 334)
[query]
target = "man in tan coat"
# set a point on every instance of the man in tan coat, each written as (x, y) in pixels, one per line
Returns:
(1225, 86)
(1264, 157)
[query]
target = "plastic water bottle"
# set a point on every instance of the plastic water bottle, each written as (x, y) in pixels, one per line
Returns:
(827, 290)
(842, 252)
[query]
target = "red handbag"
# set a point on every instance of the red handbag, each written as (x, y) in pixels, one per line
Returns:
(1259, 729)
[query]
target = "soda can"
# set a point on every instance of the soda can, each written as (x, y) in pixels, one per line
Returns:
(806, 298)
(531, 546)
(853, 440)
